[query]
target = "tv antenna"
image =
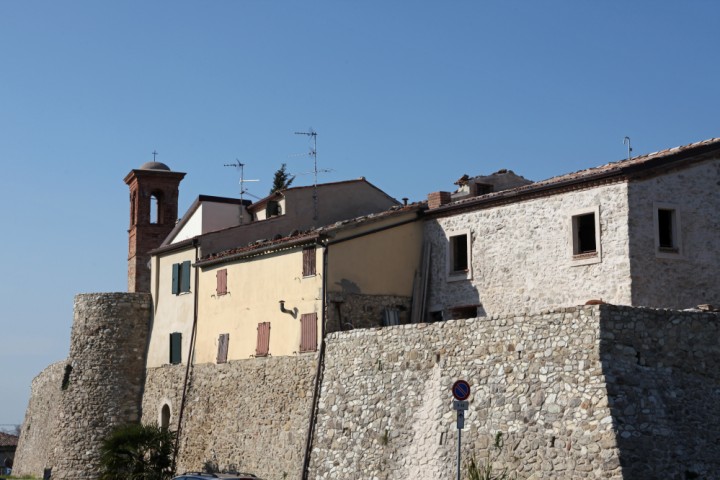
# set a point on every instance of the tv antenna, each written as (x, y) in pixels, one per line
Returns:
(626, 141)
(243, 191)
(313, 153)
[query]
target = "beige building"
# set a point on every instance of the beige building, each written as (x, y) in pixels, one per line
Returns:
(213, 225)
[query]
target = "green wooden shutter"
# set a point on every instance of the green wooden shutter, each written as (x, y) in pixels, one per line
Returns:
(185, 276)
(175, 348)
(176, 279)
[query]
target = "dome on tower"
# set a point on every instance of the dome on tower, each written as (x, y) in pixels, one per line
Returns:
(154, 166)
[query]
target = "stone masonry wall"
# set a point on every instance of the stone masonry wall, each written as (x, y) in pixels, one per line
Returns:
(521, 255)
(353, 310)
(573, 393)
(39, 430)
(248, 415)
(104, 390)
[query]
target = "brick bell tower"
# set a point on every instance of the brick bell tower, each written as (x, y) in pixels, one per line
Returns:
(154, 192)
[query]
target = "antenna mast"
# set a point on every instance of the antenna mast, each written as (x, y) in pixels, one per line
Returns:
(241, 166)
(626, 141)
(313, 153)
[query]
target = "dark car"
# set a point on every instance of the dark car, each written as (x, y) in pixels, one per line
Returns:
(220, 476)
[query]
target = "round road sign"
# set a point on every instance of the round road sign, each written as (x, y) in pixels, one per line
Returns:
(461, 390)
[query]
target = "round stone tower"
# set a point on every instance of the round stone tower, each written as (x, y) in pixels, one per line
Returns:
(103, 379)
(154, 190)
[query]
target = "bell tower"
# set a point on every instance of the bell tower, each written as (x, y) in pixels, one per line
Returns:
(154, 192)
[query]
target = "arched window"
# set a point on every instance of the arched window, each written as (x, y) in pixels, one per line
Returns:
(165, 417)
(155, 208)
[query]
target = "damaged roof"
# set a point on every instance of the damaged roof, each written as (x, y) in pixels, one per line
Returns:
(643, 164)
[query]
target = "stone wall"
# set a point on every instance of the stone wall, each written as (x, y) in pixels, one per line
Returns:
(104, 388)
(39, 430)
(572, 393)
(522, 254)
(690, 277)
(354, 310)
(248, 415)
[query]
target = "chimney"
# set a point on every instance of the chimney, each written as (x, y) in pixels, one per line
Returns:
(437, 199)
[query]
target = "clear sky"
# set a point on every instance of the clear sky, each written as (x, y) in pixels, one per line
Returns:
(410, 94)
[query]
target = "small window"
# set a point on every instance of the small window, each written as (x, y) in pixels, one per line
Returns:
(165, 417)
(585, 232)
(175, 348)
(222, 281)
(308, 332)
(667, 231)
(263, 340)
(181, 277)
(309, 261)
(459, 256)
(273, 209)
(155, 208)
(465, 311)
(223, 342)
(484, 188)
(66, 377)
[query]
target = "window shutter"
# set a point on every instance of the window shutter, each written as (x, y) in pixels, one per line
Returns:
(223, 342)
(176, 278)
(308, 261)
(308, 332)
(175, 348)
(222, 281)
(263, 340)
(185, 276)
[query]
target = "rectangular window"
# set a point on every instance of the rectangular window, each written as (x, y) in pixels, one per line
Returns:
(272, 209)
(309, 261)
(585, 232)
(459, 260)
(181, 277)
(223, 342)
(667, 231)
(263, 340)
(175, 348)
(222, 281)
(308, 332)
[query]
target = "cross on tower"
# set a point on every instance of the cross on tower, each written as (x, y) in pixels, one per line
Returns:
(154, 154)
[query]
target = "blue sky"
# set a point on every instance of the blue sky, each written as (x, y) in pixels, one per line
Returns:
(411, 95)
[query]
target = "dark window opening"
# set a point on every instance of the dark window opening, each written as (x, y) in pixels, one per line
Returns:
(181, 277)
(66, 377)
(484, 188)
(309, 258)
(165, 417)
(223, 342)
(175, 348)
(666, 229)
(465, 311)
(459, 253)
(584, 234)
(273, 209)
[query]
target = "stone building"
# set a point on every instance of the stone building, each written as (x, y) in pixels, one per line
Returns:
(640, 232)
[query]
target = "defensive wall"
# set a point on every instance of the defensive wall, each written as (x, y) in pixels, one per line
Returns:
(585, 392)
(79, 401)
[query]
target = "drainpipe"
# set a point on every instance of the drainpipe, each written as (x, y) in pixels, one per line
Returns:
(191, 351)
(319, 371)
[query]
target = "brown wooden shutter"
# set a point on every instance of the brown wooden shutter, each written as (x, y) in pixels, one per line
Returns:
(263, 340)
(222, 281)
(223, 342)
(308, 261)
(308, 332)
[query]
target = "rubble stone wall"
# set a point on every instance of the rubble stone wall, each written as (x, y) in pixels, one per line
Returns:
(573, 393)
(104, 389)
(247, 415)
(38, 434)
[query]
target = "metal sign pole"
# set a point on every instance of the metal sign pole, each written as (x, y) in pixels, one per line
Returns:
(460, 413)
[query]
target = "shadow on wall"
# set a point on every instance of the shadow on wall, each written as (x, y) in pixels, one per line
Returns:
(662, 371)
